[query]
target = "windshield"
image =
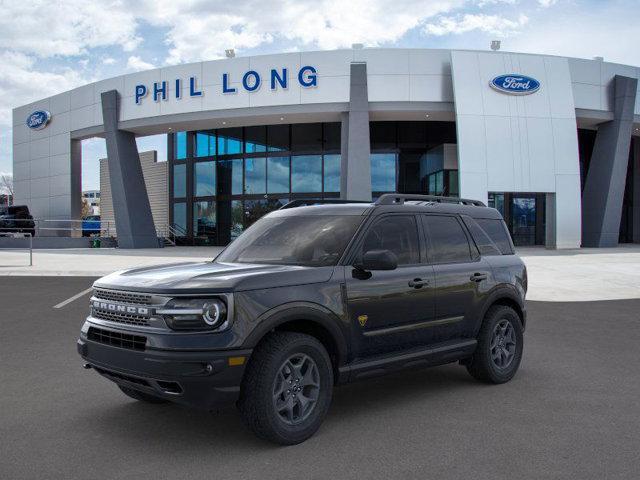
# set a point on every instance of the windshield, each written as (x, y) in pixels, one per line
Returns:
(315, 240)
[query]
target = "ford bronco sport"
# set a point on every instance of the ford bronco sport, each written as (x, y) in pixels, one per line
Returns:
(312, 295)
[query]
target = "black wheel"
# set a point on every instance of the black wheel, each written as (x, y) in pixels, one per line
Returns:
(500, 344)
(141, 396)
(287, 388)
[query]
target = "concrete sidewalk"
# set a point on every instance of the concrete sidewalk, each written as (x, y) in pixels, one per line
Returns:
(96, 262)
(554, 275)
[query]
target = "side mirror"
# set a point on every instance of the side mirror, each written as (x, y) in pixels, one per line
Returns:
(379, 260)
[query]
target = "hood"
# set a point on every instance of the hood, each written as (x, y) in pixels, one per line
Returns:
(211, 277)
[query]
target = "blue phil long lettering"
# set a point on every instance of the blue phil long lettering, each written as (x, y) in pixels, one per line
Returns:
(250, 81)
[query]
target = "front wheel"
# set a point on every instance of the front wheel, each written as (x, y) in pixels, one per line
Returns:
(500, 345)
(287, 388)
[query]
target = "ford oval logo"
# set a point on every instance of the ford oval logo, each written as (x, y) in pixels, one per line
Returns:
(38, 119)
(515, 84)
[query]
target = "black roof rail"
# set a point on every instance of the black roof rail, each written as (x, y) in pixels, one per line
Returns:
(400, 198)
(303, 202)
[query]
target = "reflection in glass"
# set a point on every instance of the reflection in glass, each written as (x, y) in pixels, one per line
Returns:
(306, 173)
(229, 141)
(332, 173)
(180, 146)
(204, 179)
(496, 200)
(230, 177)
(454, 190)
(253, 210)
(523, 220)
(204, 219)
(255, 139)
(278, 175)
(205, 144)
(237, 219)
(383, 172)
(180, 180)
(255, 175)
(180, 217)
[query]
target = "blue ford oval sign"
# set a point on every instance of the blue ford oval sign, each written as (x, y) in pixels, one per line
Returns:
(38, 119)
(515, 84)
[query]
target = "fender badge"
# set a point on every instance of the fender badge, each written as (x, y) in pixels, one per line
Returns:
(362, 319)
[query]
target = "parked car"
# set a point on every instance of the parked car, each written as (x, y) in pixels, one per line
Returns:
(17, 219)
(91, 225)
(312, 296)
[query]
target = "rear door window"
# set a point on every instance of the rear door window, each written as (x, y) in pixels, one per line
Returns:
(448, 242)
(396, 233)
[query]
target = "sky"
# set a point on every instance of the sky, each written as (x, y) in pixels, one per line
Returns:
(48, 47)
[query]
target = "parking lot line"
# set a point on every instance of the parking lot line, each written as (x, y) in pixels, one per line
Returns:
(71, 299)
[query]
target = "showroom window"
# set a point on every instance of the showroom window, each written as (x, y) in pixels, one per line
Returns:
(180, 180)
(180, 146)
(306, 173)
(383, 172)
(205, 144)
(231, 177)
(204, 179)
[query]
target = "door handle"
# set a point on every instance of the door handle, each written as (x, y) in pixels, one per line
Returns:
(418, 283)
(478, 277)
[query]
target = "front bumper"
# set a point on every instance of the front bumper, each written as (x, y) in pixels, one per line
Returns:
(201, 379)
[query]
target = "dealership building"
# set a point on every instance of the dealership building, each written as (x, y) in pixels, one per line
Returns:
(552, 142)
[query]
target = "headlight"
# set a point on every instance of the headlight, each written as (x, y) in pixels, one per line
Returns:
(194, 313)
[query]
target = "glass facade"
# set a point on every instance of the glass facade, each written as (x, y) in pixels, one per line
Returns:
(224, 180)
(398, 158)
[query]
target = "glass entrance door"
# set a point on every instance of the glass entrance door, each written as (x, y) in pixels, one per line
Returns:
(524, 214)
(523, 219)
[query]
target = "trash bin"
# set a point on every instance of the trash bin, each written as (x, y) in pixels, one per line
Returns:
(95, 243)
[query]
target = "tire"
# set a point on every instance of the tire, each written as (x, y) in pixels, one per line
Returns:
(141, 396)
(498, 363)
(271, 401)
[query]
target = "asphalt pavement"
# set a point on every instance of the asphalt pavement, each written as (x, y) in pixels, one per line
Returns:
(572, 411)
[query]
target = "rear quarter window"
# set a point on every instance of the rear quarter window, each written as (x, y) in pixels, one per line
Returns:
(497, 231)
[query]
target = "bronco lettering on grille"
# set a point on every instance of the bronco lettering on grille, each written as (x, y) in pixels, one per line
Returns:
(117, 308)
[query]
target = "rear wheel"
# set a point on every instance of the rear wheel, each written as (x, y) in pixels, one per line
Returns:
(500, 345)
(141, 396)
(287, 388)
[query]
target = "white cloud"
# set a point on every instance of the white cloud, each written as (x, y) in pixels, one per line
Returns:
(135, 63)
(46, 28)
(108, 61)
(21, 83)
(547, 3)
(491, 24)
(198, 31)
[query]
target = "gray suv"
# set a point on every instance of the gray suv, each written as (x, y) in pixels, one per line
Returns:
(313, 295)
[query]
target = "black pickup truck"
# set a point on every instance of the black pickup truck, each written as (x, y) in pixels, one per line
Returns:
(311, 296)
(17, 219)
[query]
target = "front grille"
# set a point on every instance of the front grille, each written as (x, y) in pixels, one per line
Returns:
(122, 297)
(117, 339)
(126, 318)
